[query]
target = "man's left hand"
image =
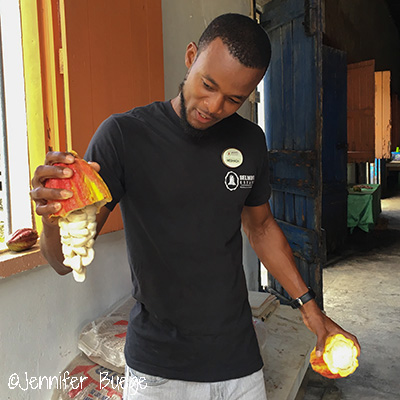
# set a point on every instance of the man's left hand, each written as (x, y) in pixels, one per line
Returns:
(317, 322)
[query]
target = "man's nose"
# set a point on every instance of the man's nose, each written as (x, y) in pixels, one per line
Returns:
(215, 104)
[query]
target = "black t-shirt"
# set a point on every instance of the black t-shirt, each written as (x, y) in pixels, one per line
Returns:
(181, 201)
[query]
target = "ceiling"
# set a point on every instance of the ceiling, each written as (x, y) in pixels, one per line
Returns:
(393, 5)
(394, 9)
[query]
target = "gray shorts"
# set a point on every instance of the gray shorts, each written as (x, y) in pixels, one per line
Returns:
(139, 386)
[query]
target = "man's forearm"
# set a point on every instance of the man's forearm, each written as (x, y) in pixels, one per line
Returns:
(51, 248)
(275, 253)
(272, 248)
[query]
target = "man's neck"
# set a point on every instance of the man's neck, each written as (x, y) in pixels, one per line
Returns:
(176, 105)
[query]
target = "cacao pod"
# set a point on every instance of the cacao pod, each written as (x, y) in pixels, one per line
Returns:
(86, 184)
(22, 239)
(338, 360)
(77, 217)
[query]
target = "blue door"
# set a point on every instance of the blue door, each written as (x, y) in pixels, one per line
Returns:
(293, 115)
(334, 147)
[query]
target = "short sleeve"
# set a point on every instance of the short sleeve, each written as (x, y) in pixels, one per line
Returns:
(106, 148)
(261, 190)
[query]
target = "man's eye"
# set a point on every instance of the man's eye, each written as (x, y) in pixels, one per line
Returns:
(206, 85)
(233, 101)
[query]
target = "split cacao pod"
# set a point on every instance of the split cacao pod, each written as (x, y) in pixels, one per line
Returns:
(86, 184)
(22, 239)
(338, 360)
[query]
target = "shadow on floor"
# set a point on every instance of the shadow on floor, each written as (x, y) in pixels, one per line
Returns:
(363, 243)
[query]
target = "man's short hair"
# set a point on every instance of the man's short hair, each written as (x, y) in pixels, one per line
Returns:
(244, 37)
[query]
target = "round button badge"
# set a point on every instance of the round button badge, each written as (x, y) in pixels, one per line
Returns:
(232, 158)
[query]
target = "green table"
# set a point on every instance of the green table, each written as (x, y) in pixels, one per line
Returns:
(363, 208)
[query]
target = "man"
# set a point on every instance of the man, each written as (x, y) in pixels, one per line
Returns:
(187, 173)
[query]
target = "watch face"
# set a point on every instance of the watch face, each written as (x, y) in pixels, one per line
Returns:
(296, 303)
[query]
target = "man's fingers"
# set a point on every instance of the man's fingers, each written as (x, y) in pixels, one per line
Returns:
(94, 165)
(356, 342)
(354, 339)
(42, 194)
(44, 172)
(53, 157)
(48, 200)
(321, 339)
(47, 209)
(320, 346)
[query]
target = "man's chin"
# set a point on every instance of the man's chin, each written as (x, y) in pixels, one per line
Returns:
(194, 131)
(201, 127)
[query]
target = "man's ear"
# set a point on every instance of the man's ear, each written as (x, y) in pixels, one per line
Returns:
(190, 55)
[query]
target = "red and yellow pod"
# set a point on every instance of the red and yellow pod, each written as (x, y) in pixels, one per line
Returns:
(338, 360)
(86, 184)
(77, 217)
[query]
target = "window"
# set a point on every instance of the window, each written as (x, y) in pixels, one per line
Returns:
(4, 194)
(54, 101)
(14, 166)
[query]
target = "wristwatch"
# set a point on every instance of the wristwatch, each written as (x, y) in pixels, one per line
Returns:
(300, 301)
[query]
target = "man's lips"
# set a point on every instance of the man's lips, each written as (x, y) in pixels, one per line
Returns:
(202, 117)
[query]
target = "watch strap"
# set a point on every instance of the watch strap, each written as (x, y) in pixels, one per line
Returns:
(300, 301)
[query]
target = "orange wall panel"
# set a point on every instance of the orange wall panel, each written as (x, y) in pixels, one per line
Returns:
(52, 80)
(395, 140)
(361, 112)
(382, 114)
(112, 65)
(113, 61)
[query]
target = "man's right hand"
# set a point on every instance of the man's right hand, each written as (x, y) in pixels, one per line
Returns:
(50, 243)
(41, 195)
(47, 204)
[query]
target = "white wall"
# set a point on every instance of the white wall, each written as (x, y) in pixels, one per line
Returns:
(42, 314)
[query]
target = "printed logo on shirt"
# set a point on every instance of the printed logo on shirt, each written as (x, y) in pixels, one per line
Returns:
(246, 181)
(231, 181)
(234, 181)
(232, 158)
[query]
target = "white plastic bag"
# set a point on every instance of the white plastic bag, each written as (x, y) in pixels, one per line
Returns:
(103, 340)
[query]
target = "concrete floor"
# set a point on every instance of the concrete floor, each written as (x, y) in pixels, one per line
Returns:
(362, 294)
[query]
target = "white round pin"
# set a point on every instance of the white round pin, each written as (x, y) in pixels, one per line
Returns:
(232, 157)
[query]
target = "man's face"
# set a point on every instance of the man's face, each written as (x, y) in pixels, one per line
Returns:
(216, 85)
